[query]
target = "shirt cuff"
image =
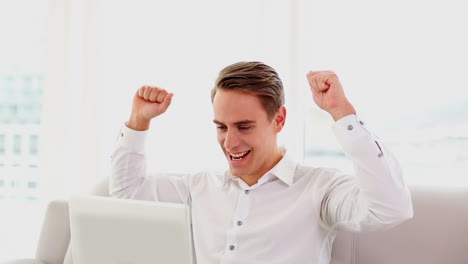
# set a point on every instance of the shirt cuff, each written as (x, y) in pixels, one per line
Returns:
(348, 129)
(132, 140)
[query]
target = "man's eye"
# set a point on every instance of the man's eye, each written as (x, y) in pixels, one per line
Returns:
(245, 127)
(221, 127)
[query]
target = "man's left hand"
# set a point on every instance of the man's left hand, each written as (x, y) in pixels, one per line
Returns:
(328, 94)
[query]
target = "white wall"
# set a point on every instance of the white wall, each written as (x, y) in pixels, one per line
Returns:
(114, 47)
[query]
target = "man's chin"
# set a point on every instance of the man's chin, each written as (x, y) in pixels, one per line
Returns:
(236, 172)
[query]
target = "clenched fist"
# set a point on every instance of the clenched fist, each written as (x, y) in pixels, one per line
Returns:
(148, 102)
(328, 94)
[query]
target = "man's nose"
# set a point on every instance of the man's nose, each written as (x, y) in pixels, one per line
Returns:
(231, 141)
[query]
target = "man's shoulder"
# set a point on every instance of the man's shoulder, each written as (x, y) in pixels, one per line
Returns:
(207, 177)
(315, 174)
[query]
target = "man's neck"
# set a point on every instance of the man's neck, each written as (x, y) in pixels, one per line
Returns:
(253, 179)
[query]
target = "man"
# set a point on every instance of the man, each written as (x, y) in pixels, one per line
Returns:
(266, 208)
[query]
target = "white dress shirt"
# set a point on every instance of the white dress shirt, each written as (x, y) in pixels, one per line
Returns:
(290, 216)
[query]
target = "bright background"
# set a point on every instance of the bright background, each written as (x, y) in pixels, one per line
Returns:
(69, 69)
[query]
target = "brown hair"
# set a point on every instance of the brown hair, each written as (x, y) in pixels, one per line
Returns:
(255, 78)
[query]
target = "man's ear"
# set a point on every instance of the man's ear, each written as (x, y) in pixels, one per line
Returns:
(279, 119)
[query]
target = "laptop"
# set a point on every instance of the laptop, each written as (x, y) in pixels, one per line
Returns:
(108, 230)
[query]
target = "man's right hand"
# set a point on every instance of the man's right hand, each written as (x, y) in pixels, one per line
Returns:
(148, 102)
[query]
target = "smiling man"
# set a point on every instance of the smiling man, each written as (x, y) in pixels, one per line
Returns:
(267, 208)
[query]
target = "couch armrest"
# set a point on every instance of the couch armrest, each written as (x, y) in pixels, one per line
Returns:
(55, 233)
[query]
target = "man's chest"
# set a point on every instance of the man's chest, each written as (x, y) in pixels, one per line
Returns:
(268, 215)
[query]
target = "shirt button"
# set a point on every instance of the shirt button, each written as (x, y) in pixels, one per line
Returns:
(231, 247)
(121, 134)
(246, 191)
(350, 127)
(361, 122)
(239, 223)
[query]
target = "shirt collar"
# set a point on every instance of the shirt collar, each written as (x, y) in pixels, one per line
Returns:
(284, 170)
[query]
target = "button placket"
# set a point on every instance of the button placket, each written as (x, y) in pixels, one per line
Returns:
(244, 199)
(240, 214)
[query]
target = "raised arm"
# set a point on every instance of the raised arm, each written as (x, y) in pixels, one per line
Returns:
(376, 197)
(129, 178)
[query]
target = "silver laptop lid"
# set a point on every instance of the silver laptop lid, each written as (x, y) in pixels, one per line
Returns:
(112, 230)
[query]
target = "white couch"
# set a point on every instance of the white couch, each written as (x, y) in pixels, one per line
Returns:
(438, 233)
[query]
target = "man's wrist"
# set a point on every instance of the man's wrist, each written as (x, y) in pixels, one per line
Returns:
(138, 124)
(341, 112)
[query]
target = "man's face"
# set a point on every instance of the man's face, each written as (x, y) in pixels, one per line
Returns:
(245, 133)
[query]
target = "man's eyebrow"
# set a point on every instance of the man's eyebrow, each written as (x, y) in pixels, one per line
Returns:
(217, 122)
(244, 122)
(239, 123)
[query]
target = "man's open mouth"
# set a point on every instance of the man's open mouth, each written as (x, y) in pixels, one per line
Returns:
(239, 156)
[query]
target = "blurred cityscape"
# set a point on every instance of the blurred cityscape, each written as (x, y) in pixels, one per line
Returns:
(20, 118)
(432, 147)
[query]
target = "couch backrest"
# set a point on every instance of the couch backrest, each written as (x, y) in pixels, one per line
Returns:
(437, 234)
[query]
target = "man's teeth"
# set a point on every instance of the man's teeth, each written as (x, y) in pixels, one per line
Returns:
(238, 155)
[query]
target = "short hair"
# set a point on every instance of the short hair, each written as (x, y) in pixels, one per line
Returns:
(255, 78)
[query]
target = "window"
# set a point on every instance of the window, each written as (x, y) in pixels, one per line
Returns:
(22, 49)
(2, 145)
(17, 144)
(402, 65)
(33, 145)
